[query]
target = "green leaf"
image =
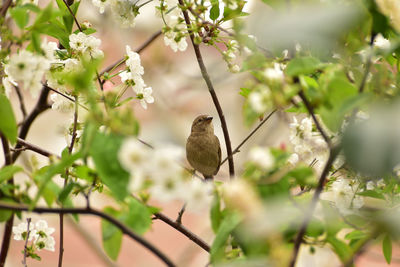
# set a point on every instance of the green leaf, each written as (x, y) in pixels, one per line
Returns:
(303, 65)
(104, 151)
(215, 213)
(356, 234)
(138, 217)
(229, 223)
(111, 235)
(62, 197)
(8, 125)
(341, 248)
(55, 31)
(44, 178)
(315, 228)
(371, 193)
(20, 16)
(7, 172)
(387, 248)
(214, 11)
(6, 214)
(85, 173)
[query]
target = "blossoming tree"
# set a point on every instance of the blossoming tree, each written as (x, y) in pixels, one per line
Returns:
(328, 69)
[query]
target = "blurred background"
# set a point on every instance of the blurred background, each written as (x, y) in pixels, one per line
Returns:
(180, 95)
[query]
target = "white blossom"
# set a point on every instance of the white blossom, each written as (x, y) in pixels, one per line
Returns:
(198, 194)
(49, 49)
(27, 68)
(293, 159)
(101, 4)
(124, 12)
(274, 74)
(86, 44)
(8, 84)
(21, 231)
(381, 42)
(344, 194)
(170, 40)
(133, 62)
(258, 101)
(43, 238)
(261, 157)
(144, 96)
(61, 103)
(134, 156)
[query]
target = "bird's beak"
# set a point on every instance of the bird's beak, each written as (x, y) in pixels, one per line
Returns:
(209, 119)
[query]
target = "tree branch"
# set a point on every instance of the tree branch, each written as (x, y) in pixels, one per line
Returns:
(90, 211)
(21, 101)
(183, 230)
(309, 212)
(9, 224)
(237, 149)
(310, 110)
(40, 106)
(210, 86)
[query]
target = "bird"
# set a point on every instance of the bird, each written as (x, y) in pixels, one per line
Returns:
(203, 150)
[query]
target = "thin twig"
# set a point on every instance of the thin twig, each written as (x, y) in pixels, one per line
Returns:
(180, 214)
(138, 50)
(5, 7)
(197, 240)
(310, 110)
(367, 66)
(26, 242)
(210, 86)
(309, 212)
(9, 224)
(73, 15)
(126, 230)
(34, 148)
(21, 101)
(40, 107)
(237, 149)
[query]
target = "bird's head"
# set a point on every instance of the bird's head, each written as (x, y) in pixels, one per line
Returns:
(203, 124)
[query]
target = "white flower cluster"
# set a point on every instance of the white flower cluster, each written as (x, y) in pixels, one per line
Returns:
(175, 27)
(159, 168)
(308, 146)
(85, 45)
(132, 76)
(262, 157)
(275, 74)
(229, 55)
(40, 233)
(344, 195)
(123, 11)
(259, 99)
(25, 68)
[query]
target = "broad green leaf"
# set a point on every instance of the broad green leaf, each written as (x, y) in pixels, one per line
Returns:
(229, 223)
(6, 214)
(104, 151)
(302, 175)
(111, 235)
(303, 65)
(356, 234)
(55, 31)
(315, 228)
(215, 213)
(52, 170)
(8, 125)
(85, 173)
(371, 193)
(340, 247)
(214, 11)
(138, 217)
(20, 16)
(7, 172)
(387, 248)
(63, 195)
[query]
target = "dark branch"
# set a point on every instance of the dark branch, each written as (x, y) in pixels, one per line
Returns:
(310, 110)
(34, 148)
(237, 149)
(183, 230)
(5, 7)
(309, 212)
(9, 224)
(40, 106)
(21, 101)
(97, 213)
(210, 86)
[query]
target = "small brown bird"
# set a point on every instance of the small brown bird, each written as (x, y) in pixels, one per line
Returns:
(203, 150)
